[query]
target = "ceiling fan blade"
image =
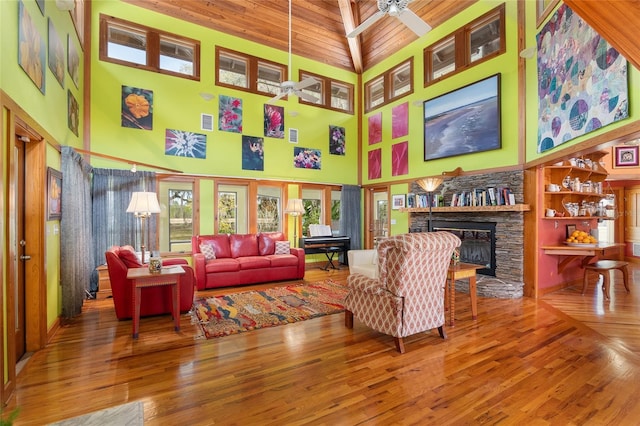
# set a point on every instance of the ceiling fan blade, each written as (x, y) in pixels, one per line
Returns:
(307, 96)
(414, 22)
(366, 24)
(309, 81)
(277, 98)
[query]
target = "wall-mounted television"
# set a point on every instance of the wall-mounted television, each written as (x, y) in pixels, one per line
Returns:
(463, 121)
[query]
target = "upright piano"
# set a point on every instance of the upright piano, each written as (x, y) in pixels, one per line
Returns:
(329, 245)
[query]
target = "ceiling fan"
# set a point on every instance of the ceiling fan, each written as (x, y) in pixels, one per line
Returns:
(398, 9)
(290, 87)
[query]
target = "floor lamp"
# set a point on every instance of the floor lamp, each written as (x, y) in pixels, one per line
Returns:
(430, 185)
(295, 208)
(142, 205)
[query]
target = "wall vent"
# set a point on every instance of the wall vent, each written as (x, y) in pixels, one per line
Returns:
(206, 122)
(293, 135)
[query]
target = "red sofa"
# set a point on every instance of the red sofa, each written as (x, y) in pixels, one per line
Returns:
(245, 259)
(155, 300)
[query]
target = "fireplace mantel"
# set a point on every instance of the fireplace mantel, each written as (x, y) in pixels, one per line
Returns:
(469, 209)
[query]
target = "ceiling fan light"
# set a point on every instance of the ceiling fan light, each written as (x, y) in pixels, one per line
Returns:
(393, 10)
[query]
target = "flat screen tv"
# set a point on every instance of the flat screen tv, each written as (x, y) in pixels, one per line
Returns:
(463, 121)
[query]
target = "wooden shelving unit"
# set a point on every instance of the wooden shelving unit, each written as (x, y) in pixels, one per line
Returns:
(470, 209)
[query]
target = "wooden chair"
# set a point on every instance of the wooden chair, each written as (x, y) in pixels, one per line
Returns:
(408, 295)
(604, 267)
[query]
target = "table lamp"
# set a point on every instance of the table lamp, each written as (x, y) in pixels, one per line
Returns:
(142, 205)
(295, 208)
(430, 184)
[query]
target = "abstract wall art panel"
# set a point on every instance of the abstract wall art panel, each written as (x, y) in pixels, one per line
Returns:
(375, 128)
(400, 120)
(229, 114)
(582, 80)
(375, 164)
(307, 158)
(181, 143)
(400, 159)
(273, 121)
(137, 108)
(336, 140)
(252, 153)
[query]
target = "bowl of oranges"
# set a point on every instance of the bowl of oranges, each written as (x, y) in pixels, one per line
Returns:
(581, 239)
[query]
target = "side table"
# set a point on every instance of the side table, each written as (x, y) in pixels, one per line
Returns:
(457, 272)
(141, 278)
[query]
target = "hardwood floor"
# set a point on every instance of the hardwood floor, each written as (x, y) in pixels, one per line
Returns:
(567, 359)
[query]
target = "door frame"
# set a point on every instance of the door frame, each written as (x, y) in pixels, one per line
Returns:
(369, 227)
(15, 125)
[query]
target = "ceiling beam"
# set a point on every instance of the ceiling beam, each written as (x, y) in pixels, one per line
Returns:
(349, 25)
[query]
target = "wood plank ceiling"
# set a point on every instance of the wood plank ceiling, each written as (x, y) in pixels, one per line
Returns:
(318, 31)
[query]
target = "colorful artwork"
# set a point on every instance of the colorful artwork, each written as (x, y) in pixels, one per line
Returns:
(375, 164)
(252, 153)
(73, 61)
(307, 158)
(375, 128)
(31, 48)
(185, 144)
(582, 80)
(400, 159)
(400, 120)
(625, 156)
(56, 54)
(137, 108)
(230, 114)
(336, 140)
(273, 121)
(73, 113)
(54, 194)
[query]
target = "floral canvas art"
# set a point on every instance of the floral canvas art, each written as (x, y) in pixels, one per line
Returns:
(400, 120)
(56, 54)
(137, 108)
(336, 140)
(375, 128)
(582, 80)
(185, 144)
(375, 164)
(307, 158)
(230, 114)
(400, 159)
(252, 153)
(73, 60)
(31, 48)
(273, 121)
(73, 113)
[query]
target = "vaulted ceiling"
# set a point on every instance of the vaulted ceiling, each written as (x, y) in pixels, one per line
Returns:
(318, 27)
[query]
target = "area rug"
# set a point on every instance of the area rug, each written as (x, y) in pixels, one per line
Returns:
(131, 414)
(250, 310)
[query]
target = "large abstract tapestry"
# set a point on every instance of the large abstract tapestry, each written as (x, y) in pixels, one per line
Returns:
(582, 80)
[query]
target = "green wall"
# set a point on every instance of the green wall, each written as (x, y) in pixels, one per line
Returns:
(177, 105)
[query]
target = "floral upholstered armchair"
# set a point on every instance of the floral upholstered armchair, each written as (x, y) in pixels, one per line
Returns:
(408, 295)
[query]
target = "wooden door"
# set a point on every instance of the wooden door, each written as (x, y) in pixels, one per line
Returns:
(18, 245)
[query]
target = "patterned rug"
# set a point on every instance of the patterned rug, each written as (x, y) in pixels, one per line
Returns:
(250, 310)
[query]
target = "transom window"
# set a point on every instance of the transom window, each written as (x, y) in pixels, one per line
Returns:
(249, 73)
(126, 43)
(389, 86)
(331, 94)
(480, 40)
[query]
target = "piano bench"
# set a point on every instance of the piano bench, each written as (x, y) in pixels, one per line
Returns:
(330, 252)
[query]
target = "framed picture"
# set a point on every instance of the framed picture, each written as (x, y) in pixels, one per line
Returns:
(464, 121)
(625, 156)
(54, 194)
(570, 229)
(397, 201)
(543, 9)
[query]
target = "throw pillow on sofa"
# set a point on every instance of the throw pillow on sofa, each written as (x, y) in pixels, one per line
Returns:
(208, 251)
(282, 247)
(128, 255)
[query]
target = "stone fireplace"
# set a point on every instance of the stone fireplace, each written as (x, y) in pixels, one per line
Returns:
(508, 269)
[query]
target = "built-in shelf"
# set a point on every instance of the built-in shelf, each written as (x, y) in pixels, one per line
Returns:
(507, 208)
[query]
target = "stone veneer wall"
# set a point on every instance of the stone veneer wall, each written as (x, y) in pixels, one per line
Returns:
(508, 282)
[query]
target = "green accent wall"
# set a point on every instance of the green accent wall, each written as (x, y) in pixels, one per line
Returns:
(178, 105)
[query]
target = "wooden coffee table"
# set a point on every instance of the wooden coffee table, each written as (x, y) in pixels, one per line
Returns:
(141, 278)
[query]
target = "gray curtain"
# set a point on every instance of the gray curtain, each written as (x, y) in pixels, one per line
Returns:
(76, 255)
(112, 225)
(350, 214)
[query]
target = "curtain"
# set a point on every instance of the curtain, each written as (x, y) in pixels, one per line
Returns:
(76, 255)
(350, 214)
(112, 225)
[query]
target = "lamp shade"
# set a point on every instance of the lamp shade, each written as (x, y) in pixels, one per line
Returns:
(143, 204)
(294, 207)
(429, 184)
